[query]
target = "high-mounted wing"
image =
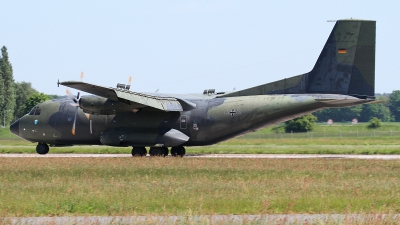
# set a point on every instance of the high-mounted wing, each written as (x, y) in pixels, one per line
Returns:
(127, 97)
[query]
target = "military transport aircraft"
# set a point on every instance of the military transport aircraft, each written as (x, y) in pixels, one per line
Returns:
(344, 75)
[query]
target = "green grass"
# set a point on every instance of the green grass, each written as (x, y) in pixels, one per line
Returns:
(381, 145)
(241, 146)
(5, 134)
(344, 140)
(176, 186)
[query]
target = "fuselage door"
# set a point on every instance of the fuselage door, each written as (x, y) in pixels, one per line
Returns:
(183, 122)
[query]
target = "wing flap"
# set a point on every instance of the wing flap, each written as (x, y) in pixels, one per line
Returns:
(127, 97)
(162, 103)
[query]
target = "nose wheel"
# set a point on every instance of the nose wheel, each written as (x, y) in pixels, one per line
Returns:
(178, 151)
(42, 148)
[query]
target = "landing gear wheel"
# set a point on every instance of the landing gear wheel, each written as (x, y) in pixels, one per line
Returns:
(139, 151)
(165, 151)
(42, 148)
(178, 151)
(159, 151)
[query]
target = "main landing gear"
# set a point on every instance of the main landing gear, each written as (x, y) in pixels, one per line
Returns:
(139, 151)
(178, 151)
(42, 148)
(159, 151)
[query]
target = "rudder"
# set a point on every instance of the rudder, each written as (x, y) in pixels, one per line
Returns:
(345, 66)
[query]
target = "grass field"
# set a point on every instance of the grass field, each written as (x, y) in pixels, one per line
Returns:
(175, 186)
(189, 186)
(339, 139)
(240, 145)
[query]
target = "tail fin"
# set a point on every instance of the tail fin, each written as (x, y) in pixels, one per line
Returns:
(345, 66)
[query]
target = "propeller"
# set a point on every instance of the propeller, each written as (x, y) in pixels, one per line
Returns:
(76, 104)
(72, 96)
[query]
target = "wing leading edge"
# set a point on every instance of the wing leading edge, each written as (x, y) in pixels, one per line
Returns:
(126, 96)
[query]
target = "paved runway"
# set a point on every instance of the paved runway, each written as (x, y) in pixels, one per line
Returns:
(252, 156)
(214, 219)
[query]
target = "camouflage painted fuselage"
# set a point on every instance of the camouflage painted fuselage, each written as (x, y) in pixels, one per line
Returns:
(213, 120)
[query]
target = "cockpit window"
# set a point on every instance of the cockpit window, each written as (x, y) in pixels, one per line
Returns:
(32, 111)
(35, 111)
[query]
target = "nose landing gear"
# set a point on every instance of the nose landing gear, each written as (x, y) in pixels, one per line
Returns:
(42, 148)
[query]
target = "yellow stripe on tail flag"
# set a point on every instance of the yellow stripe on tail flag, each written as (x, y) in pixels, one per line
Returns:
(342, 51)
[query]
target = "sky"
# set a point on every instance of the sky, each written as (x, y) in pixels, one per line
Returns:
(184, 46)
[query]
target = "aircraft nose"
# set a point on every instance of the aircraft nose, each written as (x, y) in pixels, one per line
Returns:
(15, 127)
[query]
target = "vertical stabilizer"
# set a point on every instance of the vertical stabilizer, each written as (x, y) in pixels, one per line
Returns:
(345, 66)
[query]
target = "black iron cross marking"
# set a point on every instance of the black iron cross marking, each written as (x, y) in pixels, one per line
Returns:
(232, 112)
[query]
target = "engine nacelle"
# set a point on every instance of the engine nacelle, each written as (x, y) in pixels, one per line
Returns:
(103, 106)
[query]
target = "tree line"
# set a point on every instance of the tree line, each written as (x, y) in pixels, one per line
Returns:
(16, 98)
(388, 110)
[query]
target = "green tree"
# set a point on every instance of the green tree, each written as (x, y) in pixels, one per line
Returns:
(394, 104)
(33, 100)
(7, 93)
(301, 124)
(374, 123)
(339, 114)
(23, 91)
(54, 96)
(380, 111)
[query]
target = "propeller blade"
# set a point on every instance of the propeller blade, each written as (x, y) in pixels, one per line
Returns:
(72, 96)
(69, 94)
(73, 126)
(82, 76)
(130, 80)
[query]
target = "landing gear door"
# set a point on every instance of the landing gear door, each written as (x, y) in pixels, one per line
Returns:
(183, 122)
